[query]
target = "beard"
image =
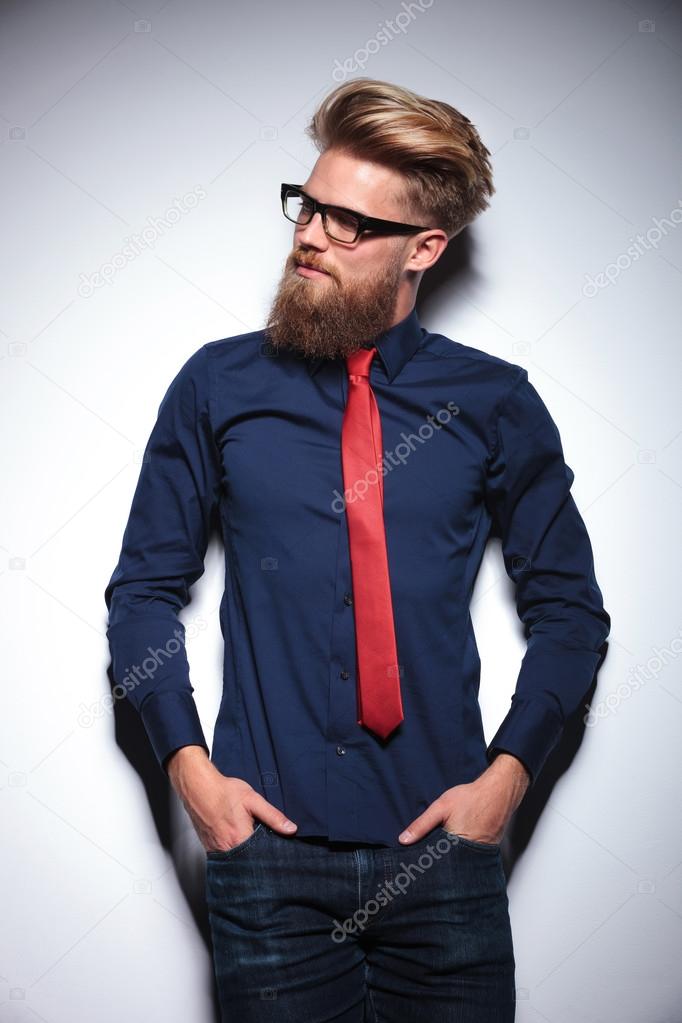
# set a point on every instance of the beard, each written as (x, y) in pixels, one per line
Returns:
(325, 317)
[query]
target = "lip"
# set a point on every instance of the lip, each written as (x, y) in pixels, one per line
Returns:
(308, 271)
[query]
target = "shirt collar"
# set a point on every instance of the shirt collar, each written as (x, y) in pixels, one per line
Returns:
(396, 346)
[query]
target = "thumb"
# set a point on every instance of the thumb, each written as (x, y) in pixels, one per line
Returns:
(270, 815)
(419, 827)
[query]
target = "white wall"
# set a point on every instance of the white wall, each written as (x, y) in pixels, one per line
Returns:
(103, 129)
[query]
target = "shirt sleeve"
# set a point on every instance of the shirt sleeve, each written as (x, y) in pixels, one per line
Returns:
(162, 555)
(548, 555)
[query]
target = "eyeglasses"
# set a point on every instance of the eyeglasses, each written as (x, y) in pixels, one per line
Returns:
(341, 224)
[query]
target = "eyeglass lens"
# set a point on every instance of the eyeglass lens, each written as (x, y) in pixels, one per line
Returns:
(339, 225)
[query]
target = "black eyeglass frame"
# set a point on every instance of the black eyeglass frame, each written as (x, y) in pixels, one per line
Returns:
(364, 223)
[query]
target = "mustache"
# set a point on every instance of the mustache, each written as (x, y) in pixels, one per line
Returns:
(304, 260)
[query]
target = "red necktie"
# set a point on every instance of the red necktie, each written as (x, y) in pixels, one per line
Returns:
(379, 702)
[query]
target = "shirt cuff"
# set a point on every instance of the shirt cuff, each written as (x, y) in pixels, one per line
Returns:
(171, 720)
(530, 731)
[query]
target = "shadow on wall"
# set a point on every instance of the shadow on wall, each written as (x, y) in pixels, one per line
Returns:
(190, 868)
(454, 268)
(522, 824)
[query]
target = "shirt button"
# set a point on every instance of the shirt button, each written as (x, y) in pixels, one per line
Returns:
(345, 674)
(340, 750)
(348, 598)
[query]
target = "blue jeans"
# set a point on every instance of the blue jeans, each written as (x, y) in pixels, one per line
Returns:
(307, 929)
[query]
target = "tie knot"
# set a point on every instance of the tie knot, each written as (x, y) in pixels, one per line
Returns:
(359, 362)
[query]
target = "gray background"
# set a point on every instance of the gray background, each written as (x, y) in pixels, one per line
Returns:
(111, 114)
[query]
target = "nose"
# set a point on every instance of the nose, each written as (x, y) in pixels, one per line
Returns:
(313, 233)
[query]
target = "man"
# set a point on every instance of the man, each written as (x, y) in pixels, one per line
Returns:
(357, 463)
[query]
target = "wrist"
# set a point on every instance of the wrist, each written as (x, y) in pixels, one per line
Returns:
(185, 762)
(508, 770)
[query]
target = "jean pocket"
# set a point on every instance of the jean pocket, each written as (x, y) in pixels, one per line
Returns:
(222, 854)
(472, 843)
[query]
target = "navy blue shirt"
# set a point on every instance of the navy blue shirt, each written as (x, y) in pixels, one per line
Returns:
(248, 438)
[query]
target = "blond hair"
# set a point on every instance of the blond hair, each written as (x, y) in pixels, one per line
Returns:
(436, 149)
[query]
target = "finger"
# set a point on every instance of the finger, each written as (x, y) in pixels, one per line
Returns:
(420, 826)
(270, 815)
